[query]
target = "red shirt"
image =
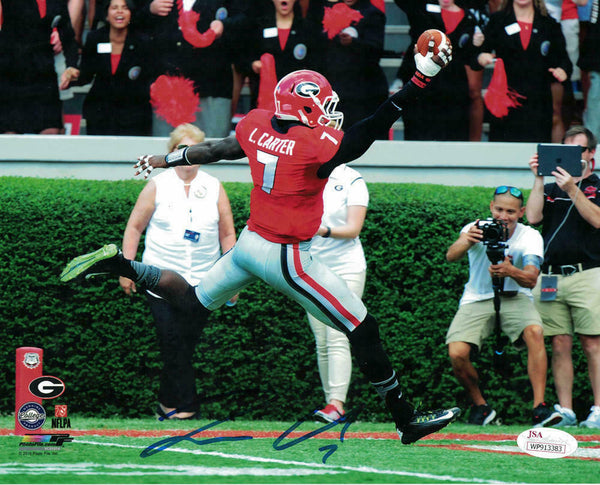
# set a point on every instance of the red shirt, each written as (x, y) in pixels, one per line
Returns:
(525, 33)
(114, 62)
(284, 35)
(452, 19)
(286, 203)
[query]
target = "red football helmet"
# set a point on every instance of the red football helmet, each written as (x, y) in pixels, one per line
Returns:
(307, 96)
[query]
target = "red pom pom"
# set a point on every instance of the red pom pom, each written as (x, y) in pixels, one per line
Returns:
(499, 97)
(438, 37)
(338, 17)
(174, 99)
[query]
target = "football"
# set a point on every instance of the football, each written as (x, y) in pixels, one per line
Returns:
(439, 38)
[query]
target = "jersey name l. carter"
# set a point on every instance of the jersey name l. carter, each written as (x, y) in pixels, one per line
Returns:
(272, 143)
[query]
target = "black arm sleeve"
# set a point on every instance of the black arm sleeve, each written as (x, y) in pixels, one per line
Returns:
(361, 135)
(213, 151)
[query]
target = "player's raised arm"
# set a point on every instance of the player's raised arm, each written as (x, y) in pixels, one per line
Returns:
(206, 152)
(361, 135)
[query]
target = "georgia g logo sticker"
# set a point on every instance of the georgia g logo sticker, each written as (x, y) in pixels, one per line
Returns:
(47, 387)
(306, 88)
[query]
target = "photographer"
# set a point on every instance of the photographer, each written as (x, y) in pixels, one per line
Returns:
(517, 250)
(570, 213)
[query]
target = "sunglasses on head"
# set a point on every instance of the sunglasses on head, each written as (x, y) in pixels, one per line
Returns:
(503, 189)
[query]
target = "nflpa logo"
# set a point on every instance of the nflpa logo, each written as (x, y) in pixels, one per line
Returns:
(60, 411)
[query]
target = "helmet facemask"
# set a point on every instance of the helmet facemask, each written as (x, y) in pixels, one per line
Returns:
(331, 117)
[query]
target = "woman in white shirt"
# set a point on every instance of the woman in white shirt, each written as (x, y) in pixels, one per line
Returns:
(188, 222)
(345, 201)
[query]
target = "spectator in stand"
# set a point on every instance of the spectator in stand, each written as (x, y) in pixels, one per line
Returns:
(565, 13)
(188, 222)
(352, 63)
(338, 246)
(119, 62)
(589, 62)
(569, 211)
(527, 92)
(196, 39)
(295, 43)
(29, 99)
(453, 108)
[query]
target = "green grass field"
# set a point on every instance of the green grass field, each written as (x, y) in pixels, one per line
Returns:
(120, 451)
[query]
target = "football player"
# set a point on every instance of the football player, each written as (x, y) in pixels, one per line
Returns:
(291, 152)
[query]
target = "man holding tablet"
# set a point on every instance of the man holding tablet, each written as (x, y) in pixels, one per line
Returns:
(567, 294)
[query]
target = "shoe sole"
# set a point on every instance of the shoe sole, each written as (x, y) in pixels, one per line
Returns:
(489, 419)
(553, 420)
(82, 263)
(432, 426)
(565, 423)
(325, 417)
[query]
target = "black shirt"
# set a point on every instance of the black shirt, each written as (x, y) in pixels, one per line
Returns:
(577, 241)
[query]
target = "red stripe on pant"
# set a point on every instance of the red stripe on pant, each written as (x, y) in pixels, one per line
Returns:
(320, 289)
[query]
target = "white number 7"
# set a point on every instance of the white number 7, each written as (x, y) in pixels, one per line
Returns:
(270, 163)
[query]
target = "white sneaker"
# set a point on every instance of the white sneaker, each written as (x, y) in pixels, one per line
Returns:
(568, 417)
(593, 420)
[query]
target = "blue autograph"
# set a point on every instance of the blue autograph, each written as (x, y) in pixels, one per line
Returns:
(168, 442)
(278, 444)
(347, 420)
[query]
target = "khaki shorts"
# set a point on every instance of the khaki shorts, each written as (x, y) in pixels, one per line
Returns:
(577, 305)
(474, 322)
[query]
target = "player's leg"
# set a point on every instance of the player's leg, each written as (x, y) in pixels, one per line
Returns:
(292, 270)
(223, 280)
(110, 260)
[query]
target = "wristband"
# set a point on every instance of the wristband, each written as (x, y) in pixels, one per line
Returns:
(177, 157)
(420, 79)
(328, 232)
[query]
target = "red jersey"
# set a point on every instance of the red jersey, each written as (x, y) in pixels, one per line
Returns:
(286, 203)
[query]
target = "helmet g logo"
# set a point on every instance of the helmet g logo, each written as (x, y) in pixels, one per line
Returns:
(306, 88)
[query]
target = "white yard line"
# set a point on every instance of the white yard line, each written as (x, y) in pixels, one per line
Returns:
(579, 453)
(317, 467)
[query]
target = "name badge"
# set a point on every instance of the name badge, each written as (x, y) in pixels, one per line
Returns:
(433, 8)
(104, 48)
(512, 29)
(190, 235)
(549, 288)
(270, 32)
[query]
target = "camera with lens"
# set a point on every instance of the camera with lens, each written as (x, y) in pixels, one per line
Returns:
(495, 234)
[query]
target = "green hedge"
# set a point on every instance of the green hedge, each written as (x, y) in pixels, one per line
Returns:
(257, 358)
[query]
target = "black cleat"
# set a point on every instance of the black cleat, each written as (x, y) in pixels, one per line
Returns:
(426, 422)
(90, 264)
(481, 415)
(544, 415)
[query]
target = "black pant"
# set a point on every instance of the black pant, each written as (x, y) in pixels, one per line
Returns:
(178, 333)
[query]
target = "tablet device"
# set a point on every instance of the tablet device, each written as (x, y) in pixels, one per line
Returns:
(552, 155)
